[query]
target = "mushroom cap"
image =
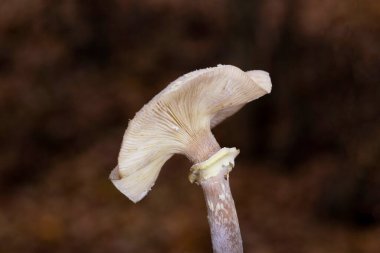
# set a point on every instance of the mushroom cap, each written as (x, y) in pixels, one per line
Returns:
(189, 106)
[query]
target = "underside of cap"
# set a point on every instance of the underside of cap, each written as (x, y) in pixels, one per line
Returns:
(177, 117)
(136, 185)
(261, 82)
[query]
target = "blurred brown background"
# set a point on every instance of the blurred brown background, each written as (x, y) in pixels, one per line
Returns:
(73, 72)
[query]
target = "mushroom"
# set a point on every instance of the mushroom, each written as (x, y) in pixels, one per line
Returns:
(179, 120)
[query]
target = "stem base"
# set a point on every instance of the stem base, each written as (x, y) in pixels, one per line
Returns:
(222, 216)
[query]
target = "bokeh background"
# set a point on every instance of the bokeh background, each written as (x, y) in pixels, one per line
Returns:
(73, 72)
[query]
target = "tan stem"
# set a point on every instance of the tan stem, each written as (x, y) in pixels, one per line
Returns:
(202, 147)
(222, 217)
(210, 170)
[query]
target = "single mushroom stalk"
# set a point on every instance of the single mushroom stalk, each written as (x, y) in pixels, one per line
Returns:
(212, 175)
(179, 120)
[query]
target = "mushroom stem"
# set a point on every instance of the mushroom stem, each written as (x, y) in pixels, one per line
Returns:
(212, 175)
(202, 147)
(222, 217)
